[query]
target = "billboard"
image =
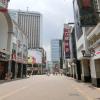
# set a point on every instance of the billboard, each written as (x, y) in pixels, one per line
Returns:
(78, 28)
(66, 42)
(4, 3)
(87, 13)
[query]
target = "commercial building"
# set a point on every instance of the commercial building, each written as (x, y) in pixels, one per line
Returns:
(88, 41)
(13, 46)
(31, 23)
(19, 52)
(5, 35)
(73, 55)
(56, 54)
(36, 61)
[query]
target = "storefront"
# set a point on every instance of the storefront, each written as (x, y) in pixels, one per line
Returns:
(20, 67)
(4, 59)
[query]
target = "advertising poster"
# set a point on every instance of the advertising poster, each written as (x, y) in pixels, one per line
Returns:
(66, 43)
(88, 13)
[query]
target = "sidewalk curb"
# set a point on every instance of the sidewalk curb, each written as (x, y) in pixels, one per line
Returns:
(11, 80)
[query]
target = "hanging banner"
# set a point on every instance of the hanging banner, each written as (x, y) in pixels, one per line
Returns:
(66, 43)
(87, 12)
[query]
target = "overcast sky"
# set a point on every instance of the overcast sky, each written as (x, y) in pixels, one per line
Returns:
(55, 13)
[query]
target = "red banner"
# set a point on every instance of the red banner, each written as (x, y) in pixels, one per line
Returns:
(3, 10)
(66, 43)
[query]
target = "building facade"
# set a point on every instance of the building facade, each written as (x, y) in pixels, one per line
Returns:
(19, 52)
(36, 61)
(31, 23)
(13, 46)
(88, 47)
(5, 38)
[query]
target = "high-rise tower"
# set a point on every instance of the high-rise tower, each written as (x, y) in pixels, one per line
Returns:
(30, 22)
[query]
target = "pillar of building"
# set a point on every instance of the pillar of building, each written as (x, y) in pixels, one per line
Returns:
(74, 70)
(21, 70)
(85, 76)
(95, 72)
(16, 70)
(71, 71)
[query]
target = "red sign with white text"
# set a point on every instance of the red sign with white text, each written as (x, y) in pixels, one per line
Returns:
(66, 43)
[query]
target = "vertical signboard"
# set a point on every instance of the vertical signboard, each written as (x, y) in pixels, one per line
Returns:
(4, 6)
(66, 43)
(87, 12)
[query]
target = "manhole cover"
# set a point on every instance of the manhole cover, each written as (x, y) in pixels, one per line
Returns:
(74, 94)
(97, 98)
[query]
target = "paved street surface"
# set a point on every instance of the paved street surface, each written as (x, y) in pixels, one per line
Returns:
(48, 88)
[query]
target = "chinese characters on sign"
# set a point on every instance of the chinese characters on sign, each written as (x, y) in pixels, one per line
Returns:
(66, 43)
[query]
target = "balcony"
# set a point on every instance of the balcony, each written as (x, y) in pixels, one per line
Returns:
(95, 31)
(96, 44)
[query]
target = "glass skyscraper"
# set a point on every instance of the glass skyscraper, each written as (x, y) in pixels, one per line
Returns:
(55, 51)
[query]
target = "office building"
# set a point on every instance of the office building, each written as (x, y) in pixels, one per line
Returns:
(30, 22)
(88, 43)
(56, 51)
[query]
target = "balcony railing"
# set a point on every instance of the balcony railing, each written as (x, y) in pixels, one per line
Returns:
(94, 45)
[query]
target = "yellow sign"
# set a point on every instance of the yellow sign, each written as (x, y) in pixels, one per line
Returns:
(31, 60)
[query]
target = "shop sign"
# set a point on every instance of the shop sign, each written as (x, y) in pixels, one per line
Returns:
(66, 43)
(3, 10)
(98, 52)
(87, 12)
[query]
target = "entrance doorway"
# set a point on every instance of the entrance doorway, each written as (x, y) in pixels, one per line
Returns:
(19, 74)
(13, 68)
(79, 69)
(3, 69)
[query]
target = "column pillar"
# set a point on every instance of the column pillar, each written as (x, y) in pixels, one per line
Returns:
(95, 72)
(85, 76)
